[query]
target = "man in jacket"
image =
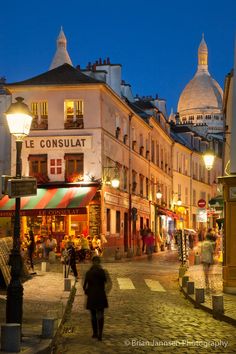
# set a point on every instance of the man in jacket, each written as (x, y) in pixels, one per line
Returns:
(96, 282)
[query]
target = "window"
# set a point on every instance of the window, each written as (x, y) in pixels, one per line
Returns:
(194, 197)
(38, 167)
(141, 178)
(74, 113)
(199, 117)
(125, 178)
(147, 188)
(40, 113)
(117, 221)
(157, 154)
(55, 166)
(134, 183)
(208, 116)
(74, 167)
(108, 220)
(153, 151)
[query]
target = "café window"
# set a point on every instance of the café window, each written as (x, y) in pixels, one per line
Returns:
(74, 114)
(55, 166)
(74, 167)
(40, 115)
(38, 167)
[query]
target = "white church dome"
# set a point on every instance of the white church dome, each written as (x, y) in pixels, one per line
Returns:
(202, 96)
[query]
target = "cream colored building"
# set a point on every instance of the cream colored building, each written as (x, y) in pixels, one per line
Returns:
(84, 133)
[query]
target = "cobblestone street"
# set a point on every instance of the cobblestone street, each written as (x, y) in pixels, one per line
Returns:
(147, 313)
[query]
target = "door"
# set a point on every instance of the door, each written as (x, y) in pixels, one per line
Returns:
(126, 231)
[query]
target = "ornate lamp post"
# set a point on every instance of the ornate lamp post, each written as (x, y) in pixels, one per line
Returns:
(19, 120)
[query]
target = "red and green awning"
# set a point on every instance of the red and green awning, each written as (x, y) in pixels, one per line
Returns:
(50, 201)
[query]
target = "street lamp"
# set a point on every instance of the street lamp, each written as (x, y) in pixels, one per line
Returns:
(159, 194)
(209, 158)
(19, 120)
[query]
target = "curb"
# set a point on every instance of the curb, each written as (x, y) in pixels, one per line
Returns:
(220, 317)
(67, 312)
(46, 345)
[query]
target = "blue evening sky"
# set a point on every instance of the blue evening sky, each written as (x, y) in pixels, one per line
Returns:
(155, 41)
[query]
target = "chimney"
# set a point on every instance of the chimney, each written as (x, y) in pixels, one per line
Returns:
(77, 67)
(104, 62)
(94, 67)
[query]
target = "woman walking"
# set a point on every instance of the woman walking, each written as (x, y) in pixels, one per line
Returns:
(94, 287)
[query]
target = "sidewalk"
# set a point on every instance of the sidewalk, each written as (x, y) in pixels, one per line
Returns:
(195, 273)
(44, 297)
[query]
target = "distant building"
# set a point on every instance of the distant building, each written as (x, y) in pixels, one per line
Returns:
(201, 100)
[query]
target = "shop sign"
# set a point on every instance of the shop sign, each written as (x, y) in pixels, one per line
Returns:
(82, 142)
(21, 187)
(202, 215)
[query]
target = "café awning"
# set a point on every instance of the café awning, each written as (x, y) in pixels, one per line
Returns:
(50, 201)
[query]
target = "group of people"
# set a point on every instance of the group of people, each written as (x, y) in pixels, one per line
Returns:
(85, 246)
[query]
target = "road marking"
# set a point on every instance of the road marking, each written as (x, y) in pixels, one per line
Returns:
(125, 283)
(154, 285)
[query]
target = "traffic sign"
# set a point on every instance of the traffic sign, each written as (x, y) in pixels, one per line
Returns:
(201, 203)
(21, 187)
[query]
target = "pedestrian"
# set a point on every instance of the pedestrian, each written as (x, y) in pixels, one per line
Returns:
(72, 258)
(207, 256)
(144, 233)
(31, 248)
(97, 282)
(149, 241)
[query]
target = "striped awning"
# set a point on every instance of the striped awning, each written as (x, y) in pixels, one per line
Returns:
(50, 201)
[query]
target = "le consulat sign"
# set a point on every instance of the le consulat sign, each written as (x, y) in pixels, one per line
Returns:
(58, 142)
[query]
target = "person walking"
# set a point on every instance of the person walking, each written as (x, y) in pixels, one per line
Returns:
(31, 248)
(72, 258)
(207, 253)
(97, 282)
(149, 241)
(144, 233)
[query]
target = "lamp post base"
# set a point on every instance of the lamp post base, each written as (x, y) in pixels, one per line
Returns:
(14, 307)
(14, 304)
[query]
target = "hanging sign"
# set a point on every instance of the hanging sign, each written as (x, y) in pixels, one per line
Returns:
(202, 215)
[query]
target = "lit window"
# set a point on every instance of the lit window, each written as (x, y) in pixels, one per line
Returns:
(40, 113)
(74, 112)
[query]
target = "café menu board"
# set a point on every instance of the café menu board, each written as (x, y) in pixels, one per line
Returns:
(5, 250)
(94, 220)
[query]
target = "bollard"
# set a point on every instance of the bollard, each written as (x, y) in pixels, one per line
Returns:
(129, 253)
(184, 281)
(197, 259)
(217, 305)
(48, 327)
(10, 337)
(67, 284)
(190, 287)
(44, 266)
(117, 254)
(199, 295)
(182, 271)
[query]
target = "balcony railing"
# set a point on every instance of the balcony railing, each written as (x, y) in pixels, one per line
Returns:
(74, 124)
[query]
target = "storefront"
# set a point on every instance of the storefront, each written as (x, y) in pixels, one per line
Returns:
(58, 211)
